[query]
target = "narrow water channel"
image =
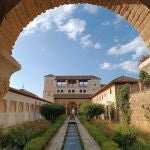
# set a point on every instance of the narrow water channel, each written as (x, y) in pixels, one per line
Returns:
(72, 140)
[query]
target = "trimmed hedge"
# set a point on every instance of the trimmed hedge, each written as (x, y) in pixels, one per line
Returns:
(102, 140)
(39, 143)
(52, 112)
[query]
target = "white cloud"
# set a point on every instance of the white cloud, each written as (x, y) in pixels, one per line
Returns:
(106, 23)
(73, 28)
(45, 21)
(117, 20)
(136, 46)
(105, 65)
(92, 9)
(97, 45)
(129, 66)
(86, 42)
(116, 40)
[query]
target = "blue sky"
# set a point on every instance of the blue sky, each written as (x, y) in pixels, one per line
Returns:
(76, 40)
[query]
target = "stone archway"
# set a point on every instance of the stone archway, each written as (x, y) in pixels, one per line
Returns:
(72, 105)
(16, 14)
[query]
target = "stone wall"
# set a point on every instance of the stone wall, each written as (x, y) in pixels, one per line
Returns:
(140, 106)
(16, 109)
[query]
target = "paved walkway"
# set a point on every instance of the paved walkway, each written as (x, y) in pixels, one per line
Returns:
(88, 141)
(57, 141)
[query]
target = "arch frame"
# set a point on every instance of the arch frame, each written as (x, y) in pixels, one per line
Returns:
(16, 14)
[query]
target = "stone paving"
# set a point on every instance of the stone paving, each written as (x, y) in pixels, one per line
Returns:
(57, 141)
(89, 142)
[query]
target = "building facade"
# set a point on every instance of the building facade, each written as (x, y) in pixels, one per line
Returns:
(71, 91)
(107, 94)
(19, 106)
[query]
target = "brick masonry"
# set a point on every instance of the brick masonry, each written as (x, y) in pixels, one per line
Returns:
(135, 12)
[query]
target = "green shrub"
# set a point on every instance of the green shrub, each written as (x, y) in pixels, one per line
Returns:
(40, 142)
(17, 137)
(51, 112)
(110, 145)
(125, 137)
(100, 138)
(91, 110)
(140, 146)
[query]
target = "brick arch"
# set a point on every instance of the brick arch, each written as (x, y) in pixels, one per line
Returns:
(16, 14)
(71, 105)
(136, 12)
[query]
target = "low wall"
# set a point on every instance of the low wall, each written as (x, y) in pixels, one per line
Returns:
(140, 106)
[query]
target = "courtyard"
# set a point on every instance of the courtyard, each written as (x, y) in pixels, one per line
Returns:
(74, 75)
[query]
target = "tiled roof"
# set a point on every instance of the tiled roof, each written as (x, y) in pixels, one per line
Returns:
(26, 93)
(119, 80)
(73, 96)
(72, 77)
(124, 79)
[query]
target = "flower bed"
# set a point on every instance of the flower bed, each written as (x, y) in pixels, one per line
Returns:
(17, 137)
(40, 142)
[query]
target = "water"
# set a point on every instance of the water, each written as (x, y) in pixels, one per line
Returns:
(72, 140)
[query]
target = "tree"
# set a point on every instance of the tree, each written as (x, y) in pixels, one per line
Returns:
(91, 110)
(52, 111)
(144, 76)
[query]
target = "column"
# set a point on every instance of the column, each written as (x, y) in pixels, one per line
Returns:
(66, 86)
(77, 82)
(66, 108)
(8, 65)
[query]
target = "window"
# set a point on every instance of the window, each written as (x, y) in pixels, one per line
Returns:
(80, 91)
(69, 91)
(110, 91)
(83, 83)
(73, 91)
(58, 91)
(62, 91)
(61, 84)
(72, 83)
(84, 91)
(94, 84)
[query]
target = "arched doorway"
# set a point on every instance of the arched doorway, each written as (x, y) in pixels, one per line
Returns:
(72, 106)
(16, 14)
